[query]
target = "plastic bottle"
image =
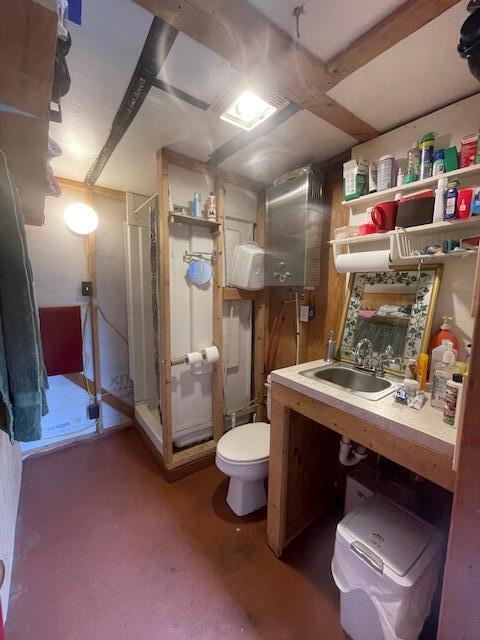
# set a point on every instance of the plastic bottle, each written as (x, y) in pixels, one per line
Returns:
(400, 177)
(444, 333)
(212, 207)
(426, 155)
(413, 164)
(451, 200)
(443, 373)
(439, 207)
(422, 369)
(437, 356)
(438, 162)
(451, 403)
(197, 205)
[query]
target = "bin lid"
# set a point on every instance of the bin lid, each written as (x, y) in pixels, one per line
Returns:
(390, 532)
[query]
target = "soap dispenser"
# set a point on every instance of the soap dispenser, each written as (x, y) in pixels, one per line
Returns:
(445, 333)
(331, 347)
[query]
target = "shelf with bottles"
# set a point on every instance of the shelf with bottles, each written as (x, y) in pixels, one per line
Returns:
(187, 218)
(370, 199)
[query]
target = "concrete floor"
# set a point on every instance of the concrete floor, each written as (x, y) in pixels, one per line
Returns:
(107, 550)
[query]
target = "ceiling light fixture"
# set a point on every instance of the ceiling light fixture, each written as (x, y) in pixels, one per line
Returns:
(248, 110)
(80, 218)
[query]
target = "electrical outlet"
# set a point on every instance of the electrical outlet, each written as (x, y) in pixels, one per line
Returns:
(93, 411)
(306, 313)
(87, 288)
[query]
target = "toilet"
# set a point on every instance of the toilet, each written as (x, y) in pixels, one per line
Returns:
(243, 454)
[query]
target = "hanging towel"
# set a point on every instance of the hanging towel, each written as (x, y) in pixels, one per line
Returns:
(23, 379)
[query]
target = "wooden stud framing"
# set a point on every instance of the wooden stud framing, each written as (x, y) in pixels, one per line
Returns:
(259, 308)
(459, 614)
(403, 21)
(92, 276)
(66, 183)
(428, 463)
(164, 334)
(171, 459)
(217, 319)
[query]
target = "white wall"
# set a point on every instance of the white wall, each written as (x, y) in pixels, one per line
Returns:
(451, 124)
(10, 480)
(59, 265)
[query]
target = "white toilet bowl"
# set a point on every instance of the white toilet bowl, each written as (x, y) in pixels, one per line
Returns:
(242, 454)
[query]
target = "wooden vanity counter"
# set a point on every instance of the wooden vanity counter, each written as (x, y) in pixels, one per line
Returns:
(308, 415)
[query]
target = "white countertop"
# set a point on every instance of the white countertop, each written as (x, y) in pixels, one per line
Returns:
(426, 427)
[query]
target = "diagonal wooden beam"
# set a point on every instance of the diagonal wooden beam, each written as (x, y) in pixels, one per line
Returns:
(408, 18)
(252, 43)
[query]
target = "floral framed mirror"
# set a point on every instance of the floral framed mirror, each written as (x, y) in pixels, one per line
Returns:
(392, 309)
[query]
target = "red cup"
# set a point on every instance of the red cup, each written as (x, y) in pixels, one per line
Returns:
(384, 216)
(366, 229)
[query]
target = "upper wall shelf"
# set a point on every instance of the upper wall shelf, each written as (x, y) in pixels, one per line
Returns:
(388, 194)
(200, 222)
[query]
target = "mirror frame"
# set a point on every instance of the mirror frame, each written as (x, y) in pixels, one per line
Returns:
(432, 274)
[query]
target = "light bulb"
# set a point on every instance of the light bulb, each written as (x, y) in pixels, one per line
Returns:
(80, 218)
(249, 105)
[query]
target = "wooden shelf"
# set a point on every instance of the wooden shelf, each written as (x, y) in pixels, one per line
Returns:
(388, 194)
(232, 294)
(27, 51)
(199, 222)
(455, 227)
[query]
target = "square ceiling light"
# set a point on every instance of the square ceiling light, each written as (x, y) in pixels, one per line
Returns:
(245, 103)
(248, 110)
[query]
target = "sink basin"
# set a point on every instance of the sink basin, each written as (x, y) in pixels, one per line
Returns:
(359, 383)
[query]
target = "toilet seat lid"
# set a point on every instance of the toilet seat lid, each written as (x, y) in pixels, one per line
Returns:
(246, 443)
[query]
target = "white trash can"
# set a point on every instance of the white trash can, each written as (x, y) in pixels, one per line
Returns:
(386, 565)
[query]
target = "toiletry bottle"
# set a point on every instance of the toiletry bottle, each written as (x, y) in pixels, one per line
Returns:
(400, 177)
(212, 207)
(439, 206)
(197, 205)
(422, 369)
(331, 347)
(426, 157)
(451, 200)
(451, 399)
(436, 356)
(443, 373)
(438, 162)
(413, 164)
(444, 333)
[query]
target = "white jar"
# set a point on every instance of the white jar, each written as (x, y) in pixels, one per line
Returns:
(386, 173)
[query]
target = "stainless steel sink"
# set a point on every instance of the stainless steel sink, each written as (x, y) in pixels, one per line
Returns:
(359, 383)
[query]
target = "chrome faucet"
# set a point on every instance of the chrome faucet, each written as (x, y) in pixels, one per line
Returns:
(381, 358)
(364, 361)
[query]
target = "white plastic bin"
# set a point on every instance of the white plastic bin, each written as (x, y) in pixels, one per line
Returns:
(386, 564)
(248, 267)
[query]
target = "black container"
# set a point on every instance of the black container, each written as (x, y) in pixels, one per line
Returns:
(416, 211)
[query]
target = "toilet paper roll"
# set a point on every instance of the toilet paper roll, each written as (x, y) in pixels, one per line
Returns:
(193, 358)
(363, 261)
(210, 354)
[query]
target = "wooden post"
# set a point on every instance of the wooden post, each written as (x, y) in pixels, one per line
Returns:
(92, 276)
(163, 296)
(459, 613)
(278, 477)
(217, 315)
(259, 306)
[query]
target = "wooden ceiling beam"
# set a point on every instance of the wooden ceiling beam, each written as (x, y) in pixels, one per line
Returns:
(403, 21)
(252, 43)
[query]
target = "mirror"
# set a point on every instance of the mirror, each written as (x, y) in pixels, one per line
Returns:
(392, 309)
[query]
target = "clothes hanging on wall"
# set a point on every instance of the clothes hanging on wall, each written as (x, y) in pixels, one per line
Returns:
(23, 379)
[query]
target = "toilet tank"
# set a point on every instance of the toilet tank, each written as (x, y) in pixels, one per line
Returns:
(296, 229)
